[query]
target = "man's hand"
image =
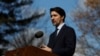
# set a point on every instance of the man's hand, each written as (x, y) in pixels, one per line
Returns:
(46, 48)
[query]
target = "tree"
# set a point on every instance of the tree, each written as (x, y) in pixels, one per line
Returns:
(88, 21)
(16, 16)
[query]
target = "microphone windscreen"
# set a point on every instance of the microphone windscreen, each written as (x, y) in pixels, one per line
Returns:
(39, 34)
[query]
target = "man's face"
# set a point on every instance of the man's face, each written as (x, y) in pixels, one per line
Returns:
(56, 18)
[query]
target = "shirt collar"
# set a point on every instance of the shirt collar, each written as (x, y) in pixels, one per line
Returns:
(60, 26)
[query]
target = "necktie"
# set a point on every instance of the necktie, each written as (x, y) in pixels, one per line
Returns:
(56, 32)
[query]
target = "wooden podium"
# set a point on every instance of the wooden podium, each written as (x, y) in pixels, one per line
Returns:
(29, 51)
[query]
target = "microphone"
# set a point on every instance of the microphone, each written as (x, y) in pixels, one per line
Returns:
(39, 34)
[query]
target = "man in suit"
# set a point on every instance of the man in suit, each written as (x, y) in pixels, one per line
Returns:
(63, 40)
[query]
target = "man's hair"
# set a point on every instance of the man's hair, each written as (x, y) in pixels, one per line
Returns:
(60, 11)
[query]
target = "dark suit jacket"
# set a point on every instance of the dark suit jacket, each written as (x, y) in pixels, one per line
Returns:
(65, 42)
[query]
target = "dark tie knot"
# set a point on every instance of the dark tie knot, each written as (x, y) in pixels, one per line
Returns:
(56, 30)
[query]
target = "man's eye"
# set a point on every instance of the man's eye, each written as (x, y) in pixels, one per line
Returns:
(54, 15)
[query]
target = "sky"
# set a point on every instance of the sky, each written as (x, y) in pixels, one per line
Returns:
(66, 4)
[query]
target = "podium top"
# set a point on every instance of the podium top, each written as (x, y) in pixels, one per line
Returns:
(29, 51)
